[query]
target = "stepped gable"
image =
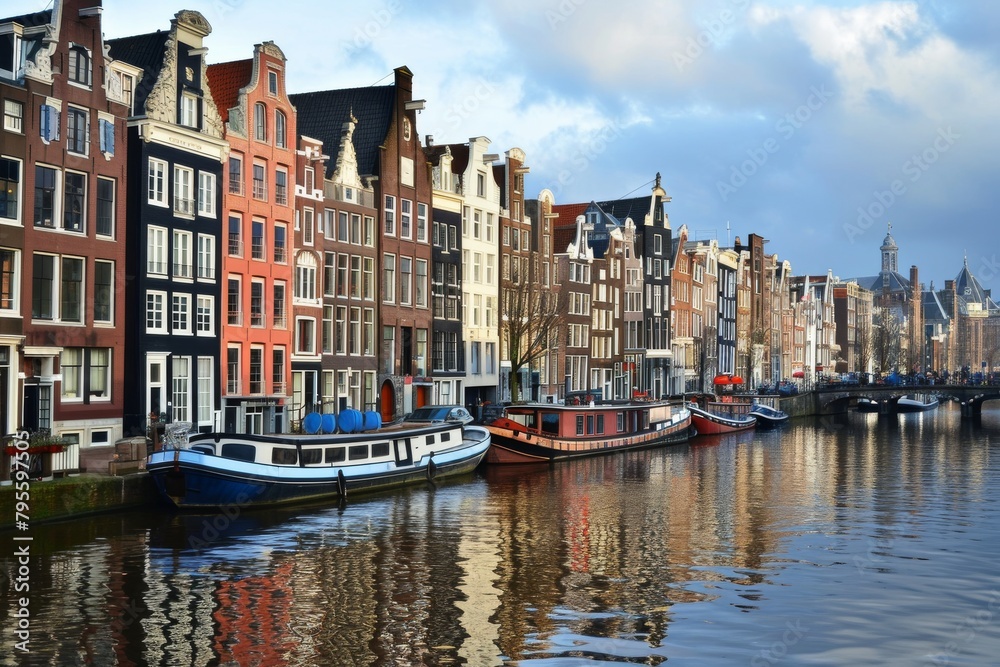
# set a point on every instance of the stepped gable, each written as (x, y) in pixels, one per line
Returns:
(321, 115)
(225, 81)
(143, 51)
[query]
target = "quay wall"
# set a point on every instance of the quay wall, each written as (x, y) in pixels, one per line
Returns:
(76, 496)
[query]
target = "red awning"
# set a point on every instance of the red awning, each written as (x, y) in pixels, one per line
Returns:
(736, 379)
(798, 374)
(723, 379)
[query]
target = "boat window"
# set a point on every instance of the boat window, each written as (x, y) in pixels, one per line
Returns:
(621, 422)
(284, 456)
(600, 424)
(380, 449)
(431, 439)
(335, 454)
(356, 452)
(550, 423)
(312, 456)
(579, 424)
(204, 449)
(239, 451)
(445, 437)
(590, 424)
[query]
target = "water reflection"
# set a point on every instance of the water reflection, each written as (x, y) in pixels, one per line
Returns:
(803, 544)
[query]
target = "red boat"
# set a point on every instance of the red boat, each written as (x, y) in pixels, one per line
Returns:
(714, 417)
(543, 432)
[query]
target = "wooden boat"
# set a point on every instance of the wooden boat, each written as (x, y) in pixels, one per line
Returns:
(767, 416)
(231, 470)
(543, 432)
(720, 416)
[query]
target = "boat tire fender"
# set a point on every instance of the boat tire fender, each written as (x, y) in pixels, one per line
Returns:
(341, 484)
(431, 470)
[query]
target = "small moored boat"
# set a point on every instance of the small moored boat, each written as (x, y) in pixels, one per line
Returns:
(542, 432)
(768, 417)
(713, 417)
(329, 460)
(908, 404)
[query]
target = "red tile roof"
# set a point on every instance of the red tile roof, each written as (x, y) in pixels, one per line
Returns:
(567, 214)
(225, 81)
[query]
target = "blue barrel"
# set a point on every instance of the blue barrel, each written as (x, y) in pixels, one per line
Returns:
(312, 423)
(329, 422)
(373, 420)
(350, 421)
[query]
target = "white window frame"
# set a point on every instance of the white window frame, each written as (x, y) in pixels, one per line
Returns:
(181, 251)
(206, 194)
(180, 314)
(205, 315)
(13, 116)
(156, 251)
(189, 109)
(72, 139)
(156, 183)
(206, 258)
(184, 204)
(206, 391)
(111, 296)
(158, 306)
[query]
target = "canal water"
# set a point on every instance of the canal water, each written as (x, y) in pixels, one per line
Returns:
(852, 541)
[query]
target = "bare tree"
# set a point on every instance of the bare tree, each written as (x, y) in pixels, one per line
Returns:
(887, 335)
(531, 314)
(864, 343)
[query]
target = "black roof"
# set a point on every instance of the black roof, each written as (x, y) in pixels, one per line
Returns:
(145, 52)
(321, 115)
(635, 208)
(30, 20)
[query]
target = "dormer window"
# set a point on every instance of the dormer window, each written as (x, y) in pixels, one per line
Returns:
(189, 109)
(11, 59)
(79, 65)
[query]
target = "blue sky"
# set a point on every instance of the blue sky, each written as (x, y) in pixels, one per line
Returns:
(811, 123)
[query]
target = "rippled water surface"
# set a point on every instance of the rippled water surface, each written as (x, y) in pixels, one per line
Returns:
(857, 541)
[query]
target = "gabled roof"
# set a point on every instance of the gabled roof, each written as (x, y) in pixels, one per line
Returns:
(567, 214)
(322, 115)
(225, 81)
(897, 283)
(146, 53)
(634, 207)
(933, 309)
(968, 288)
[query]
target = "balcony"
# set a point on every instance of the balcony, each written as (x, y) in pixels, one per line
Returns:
(235, 245)
(280, 255)
(184, 206)
(235, 318)
(236, 186)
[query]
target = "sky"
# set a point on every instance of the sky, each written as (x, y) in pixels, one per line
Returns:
(813, 123)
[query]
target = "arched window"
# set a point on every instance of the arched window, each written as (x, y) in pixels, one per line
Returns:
(279, 129)
(259, 122)
(79, 64)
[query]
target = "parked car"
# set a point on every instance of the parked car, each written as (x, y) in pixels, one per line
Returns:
(440, 413)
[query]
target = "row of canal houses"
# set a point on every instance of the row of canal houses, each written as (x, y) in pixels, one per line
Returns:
(189, 241)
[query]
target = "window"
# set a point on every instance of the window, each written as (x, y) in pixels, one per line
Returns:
(13, 116)
(181, 369)
(420, 285)
(390, 215)
(279, 129)
(405, 215)
(70, 366)
(233, 301)
(343, 281)
(329, 274)
(182, 254)
(206, 257)
(257, 303)
(77, 131)
(206, 389)
(259, 182)
(305, 278)
(481, 184)
(71, 294)
(278, 306)
(405, 280)
(368, 279)
(106, 134)
(327, 332)
(9, 279)
(104, 275)
(281, 187)
(156, 251)
(257, 239)
(422, 222)
(369, 231)
(236, 175)
(355, 277)
(10, 188)
(74, 201)
(256, 370)
(305, 336)
(205, 315)
(48, 123)
(99, 359)
(308, 223)
(155, 309)
(45, 196)
(105, 207)
(206, 194)
(369, 332)
(189, 109)
(354, 336)
(233, 370)
(235, 236)
(79, 65)
(259, 122)
(42, 284)
(278, 370)
(156, 185)
(272, 82)
(183, 190)
(280, 249)
(180, 314)
(389, 278)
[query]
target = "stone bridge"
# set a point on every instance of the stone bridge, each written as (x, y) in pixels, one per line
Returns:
(831, 400)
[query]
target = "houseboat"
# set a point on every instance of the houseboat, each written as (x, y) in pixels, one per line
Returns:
(543, 432)
(767, 416)
(351, 452)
